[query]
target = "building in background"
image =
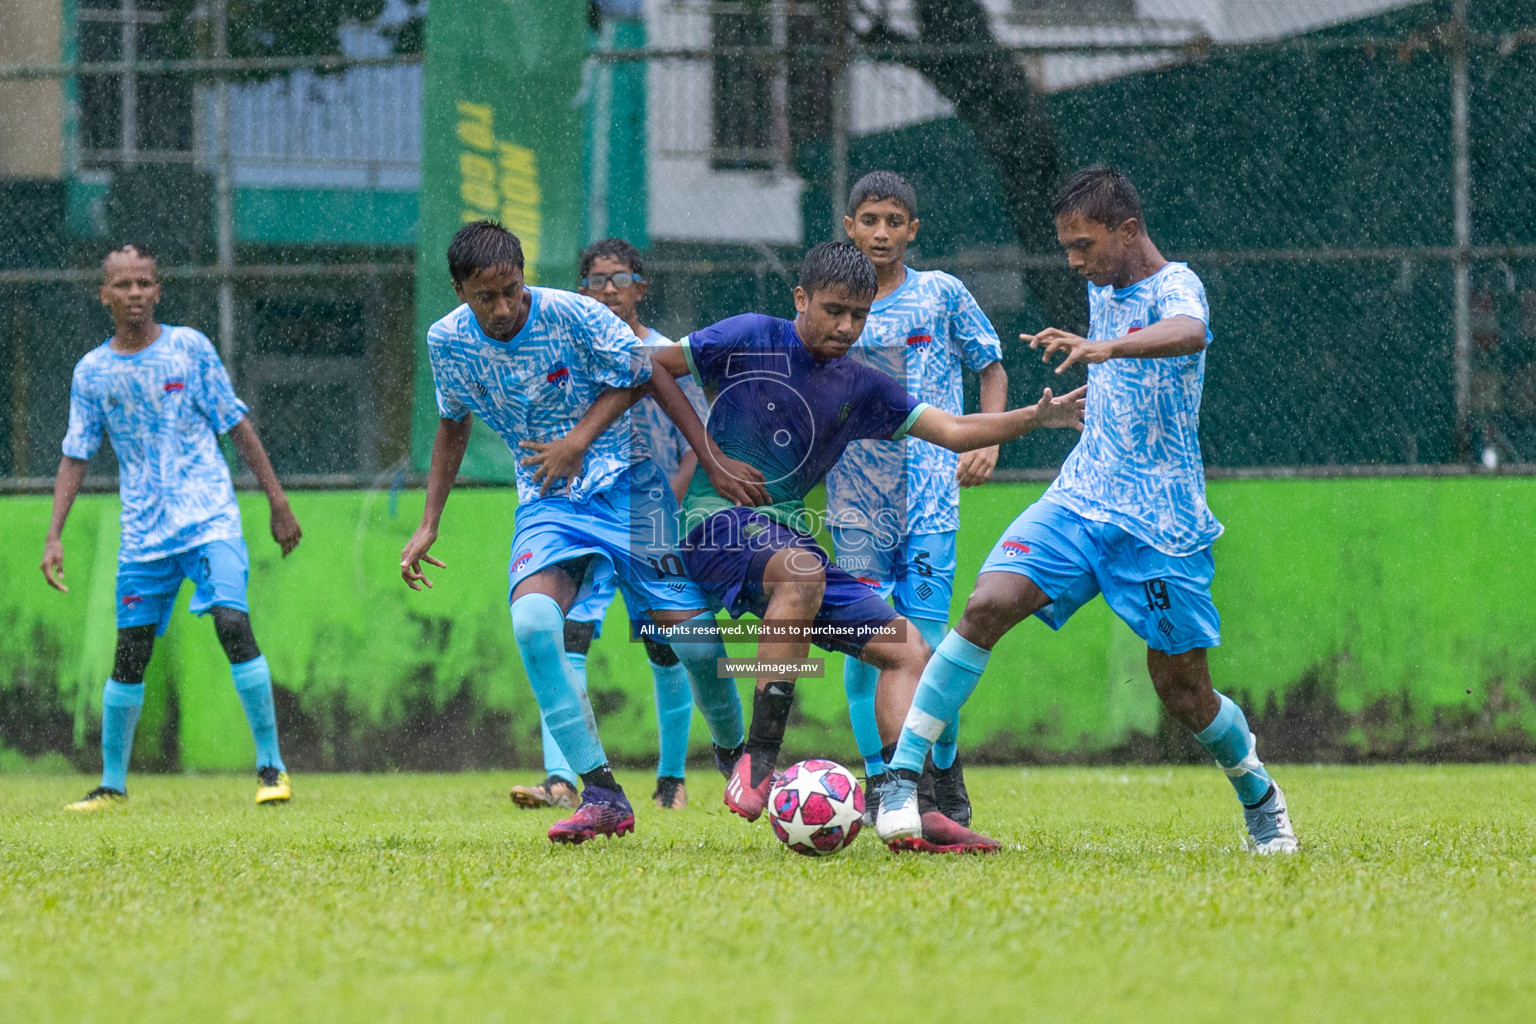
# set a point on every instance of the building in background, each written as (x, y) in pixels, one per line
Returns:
(325, 171)
(719, 134)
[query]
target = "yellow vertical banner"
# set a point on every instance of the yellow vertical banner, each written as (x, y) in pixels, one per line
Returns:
(502, 140)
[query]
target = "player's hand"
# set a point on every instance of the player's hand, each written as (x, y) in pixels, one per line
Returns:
(976, 466)
(414, 553)
(1077, 349)
(53, 564)
(285, 528)
(1064, 411)
(556, 460)
(736, 481)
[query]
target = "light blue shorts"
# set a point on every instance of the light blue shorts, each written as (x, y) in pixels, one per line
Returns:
(146, 591)
(630, 533)
(918, 570)
(594, 607)
(1164, 598)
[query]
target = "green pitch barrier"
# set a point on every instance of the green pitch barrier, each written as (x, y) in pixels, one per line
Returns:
(1361, 618)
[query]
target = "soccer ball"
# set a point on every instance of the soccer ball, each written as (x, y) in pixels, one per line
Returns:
(816, 807)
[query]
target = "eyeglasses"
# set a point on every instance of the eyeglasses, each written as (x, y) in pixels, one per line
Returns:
(597, 282)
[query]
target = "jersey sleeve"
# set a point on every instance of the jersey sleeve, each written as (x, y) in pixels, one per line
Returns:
(449, 407)
(214, 393)
(618, 358)
(1181, 293)
(883, 409)
(971, 331)
(84, 434)
(709, 349)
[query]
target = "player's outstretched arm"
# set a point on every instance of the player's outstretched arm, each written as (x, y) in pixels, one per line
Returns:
(285, 525)
(448, 449)
(976, 466)
(732, 479)
(1175, 336)
(561, 459)
(66, 485)
(980, 429)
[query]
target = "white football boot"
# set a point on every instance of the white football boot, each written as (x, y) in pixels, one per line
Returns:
(898, 817)
(1269, 825)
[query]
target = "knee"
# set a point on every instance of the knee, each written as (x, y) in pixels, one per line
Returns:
(988, 614)
(798, 588)
(660, 654)
(578, 636)
(914, 651)
(536, 617)
(134, 646)
(234, 631)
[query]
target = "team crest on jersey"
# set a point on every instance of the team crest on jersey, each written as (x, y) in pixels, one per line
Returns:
(559, 376)
(174, 385)
(521, 560)
(1136, 325)
(920, 341)
(1013, 548)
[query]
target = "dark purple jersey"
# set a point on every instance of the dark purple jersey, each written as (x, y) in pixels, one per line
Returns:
(779, 410)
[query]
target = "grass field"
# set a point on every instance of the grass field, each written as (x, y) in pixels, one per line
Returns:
(1122, 895)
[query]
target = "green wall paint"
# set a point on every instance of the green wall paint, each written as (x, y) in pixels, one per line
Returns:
(1402, 605)
(319, 216)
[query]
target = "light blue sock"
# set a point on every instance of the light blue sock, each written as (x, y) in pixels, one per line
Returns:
(944, 748)
(120, 707)
(554, 761)
(859, 682)
(674, 715)
(1233, 747)
(538, 626)
(253, 683)
(948, 679)
(698, 647)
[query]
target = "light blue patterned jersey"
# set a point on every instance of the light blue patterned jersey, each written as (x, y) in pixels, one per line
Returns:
(666, 443)
(922, 334)
(163, 408)
(537, 386)
(1138, 464)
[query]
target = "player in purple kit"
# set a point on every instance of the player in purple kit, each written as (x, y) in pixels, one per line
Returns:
(788, 402)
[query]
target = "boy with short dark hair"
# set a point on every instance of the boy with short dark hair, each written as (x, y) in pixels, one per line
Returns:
(162, 396)
(1126, 517)
(895, 509)
(612, 273)
(554, 374)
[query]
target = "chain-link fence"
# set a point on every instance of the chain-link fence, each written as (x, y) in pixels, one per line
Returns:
(1358, 198)
(1353, 181)
(278, 194)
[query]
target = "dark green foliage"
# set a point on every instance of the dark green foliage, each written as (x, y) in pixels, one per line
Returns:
(290, 28)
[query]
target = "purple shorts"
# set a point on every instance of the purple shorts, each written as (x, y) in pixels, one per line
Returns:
(727, 553)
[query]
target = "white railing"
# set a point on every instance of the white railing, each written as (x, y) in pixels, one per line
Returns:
(358, 129)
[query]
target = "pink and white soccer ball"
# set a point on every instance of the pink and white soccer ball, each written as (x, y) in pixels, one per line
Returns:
(816, 807)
